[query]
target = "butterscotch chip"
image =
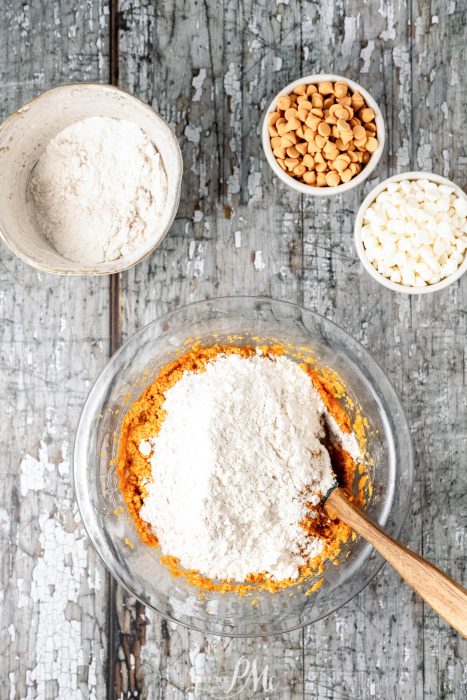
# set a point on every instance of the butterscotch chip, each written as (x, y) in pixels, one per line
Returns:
(341, 113)
(308, 161)
(328, 102)
(320, 141)
(300, 89)
(300, 133)
(279, 152)
(346, 175)
(281, 128)
(302, 114)
(293, 124)
(340, 89)
(361, 142)
(276, 141)
(284, 102)
(299, 170)
(326, 88)
(287, 140)
(291, 163)
(292, 152)
(320, 180)
(357, 98)
(302, 147)
(290, 113)
(343, 126)
(324, 129)
(272, 131)
(321, 167)
(318, 112)
(371, 144)
(311, 89)
(317, 100)
(371, 127)
(340, 165)
(345, 101)
(309, 177)
(281, 163)
(366, 157)
(359, 132)
(273, 117)
(332, 179)
(366, 115)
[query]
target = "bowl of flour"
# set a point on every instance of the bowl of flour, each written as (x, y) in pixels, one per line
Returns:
(90, 180)
(200, 446)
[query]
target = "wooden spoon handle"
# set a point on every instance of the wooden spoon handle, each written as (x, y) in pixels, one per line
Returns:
(447, 597)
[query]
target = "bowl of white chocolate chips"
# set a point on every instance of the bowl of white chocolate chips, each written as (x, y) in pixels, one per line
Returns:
(411, 233)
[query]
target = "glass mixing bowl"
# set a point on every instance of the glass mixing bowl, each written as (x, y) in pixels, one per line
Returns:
(237, 320)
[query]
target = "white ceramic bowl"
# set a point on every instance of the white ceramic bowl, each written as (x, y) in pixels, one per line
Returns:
(361, 250)
(345, 186)
(24, 136)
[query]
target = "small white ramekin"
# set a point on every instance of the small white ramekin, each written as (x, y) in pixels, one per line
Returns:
(24, 136)
(361, 249)
(345, 186)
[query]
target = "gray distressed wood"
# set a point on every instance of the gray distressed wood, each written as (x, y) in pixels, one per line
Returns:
(211, 69)
(230, 59)
(54, 340)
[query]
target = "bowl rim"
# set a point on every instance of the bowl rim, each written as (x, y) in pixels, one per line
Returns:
(119, 265)
(81, 494)
(345, 186)
(369, 199)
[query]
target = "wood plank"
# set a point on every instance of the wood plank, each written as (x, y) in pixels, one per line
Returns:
(440, 144)
(377, 645)
(364, 650)
(206, 69)
(54, 341)
(230, 62)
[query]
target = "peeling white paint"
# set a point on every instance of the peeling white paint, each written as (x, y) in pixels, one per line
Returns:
(277, 65)
(350, 35)
(32, 477)
(258, 261)
(403, 155)
(233, 181)
(424, 156)
(435, 19)
(4, 521)
(365, 55)
(193, 133)
(254, 186)
(198, 216)
(197, 83)
(238, 239)
(386, 9)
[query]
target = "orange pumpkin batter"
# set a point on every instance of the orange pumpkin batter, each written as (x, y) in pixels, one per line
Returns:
(144, 420)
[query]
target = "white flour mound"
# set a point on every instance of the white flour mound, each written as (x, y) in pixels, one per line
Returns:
(238, 449)
(98, 190)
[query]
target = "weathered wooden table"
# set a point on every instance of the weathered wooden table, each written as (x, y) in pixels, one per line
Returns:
(67, 631)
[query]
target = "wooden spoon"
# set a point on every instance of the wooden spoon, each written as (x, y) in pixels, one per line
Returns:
(447, 597)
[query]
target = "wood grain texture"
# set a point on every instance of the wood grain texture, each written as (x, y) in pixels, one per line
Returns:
(54, 340)
(211, 70)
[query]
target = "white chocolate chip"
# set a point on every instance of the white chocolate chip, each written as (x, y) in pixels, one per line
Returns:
(414, 232)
